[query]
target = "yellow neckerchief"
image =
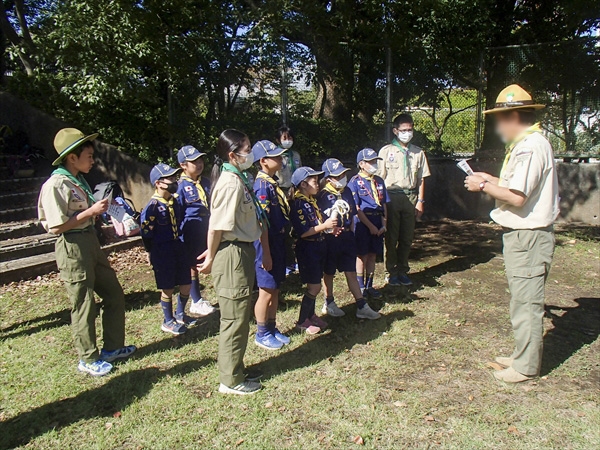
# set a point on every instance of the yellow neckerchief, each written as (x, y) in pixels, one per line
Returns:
(169, 204)
(332, 190)
(312, 201)
(371, 179)
(199, 187)
(285, 206)
(535, 128)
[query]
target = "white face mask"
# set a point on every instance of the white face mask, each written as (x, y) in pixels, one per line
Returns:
(287, 143)
(405, 136)
(339, 184)
(370, 168)
(248, 161)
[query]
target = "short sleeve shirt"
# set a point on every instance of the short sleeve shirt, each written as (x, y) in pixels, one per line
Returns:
(60, 199)
(156, 221)
(326, 199)
(366, 198)
(303, 216)
(291, 160)
(191, 201)
(530, 170)
(232, 210)
(266, 194)
(394, 161)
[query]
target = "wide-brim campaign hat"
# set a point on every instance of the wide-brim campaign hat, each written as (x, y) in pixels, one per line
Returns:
(69, 139)
(514, 97)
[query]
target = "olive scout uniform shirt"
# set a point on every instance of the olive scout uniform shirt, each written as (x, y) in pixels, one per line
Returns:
(234, 213)
(528, 243)
(402, 172)
(84, 268)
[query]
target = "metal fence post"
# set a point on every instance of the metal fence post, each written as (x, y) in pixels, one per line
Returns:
(284, 97)
(479, 110)
(388, 94)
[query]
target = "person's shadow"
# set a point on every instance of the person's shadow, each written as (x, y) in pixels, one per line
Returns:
(575, 327)
(105, 401)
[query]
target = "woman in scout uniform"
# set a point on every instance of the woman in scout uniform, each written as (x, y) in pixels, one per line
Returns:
(192, 196)
(311, 249)
(341, 248)
(527, 204)
(67, 207)
(370, 196)
(274, 203)
(161, 222)
(236, 221)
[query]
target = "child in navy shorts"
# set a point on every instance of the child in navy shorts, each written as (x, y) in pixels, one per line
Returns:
(370, 196)
(311, 250)
(336, 199)
(193, 197)
(161, 219)
(277, 209)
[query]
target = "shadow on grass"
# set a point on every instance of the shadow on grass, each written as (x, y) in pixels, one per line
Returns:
(576, 327)
(344, 334)
(104, 401)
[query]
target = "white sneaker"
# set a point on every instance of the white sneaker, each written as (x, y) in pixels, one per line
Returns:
(244, 388)
(202, 308)
(332, 310)
(367, 313)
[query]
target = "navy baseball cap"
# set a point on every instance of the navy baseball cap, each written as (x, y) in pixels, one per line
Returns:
(367, 154)
(161, 170)
(188, 153)
(333, 167)
(302, 173)
(266, 149)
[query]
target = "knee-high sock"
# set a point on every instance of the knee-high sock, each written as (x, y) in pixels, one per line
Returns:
(307, 307)
(181, 302)
(361, 281)
(166, 303)
(195, 293)
(369, 283)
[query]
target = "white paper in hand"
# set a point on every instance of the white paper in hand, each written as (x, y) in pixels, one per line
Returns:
(465, 167)
(116, 211)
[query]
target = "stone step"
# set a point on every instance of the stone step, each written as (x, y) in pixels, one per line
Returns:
(19, 229)
(26, 246)
(14, 214)
(33, 266)
(15, 199)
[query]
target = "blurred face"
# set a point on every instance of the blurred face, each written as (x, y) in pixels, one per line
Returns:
(272, 164)
(84, 162)
(168, 184)
(311, 185)
(507, 126)
(339, 182)
(193, 169)
(240, 157)
(369, 167)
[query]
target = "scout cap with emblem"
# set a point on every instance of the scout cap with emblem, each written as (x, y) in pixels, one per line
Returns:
(333, 167)
(367, 154)
(513, 97)
(69, 139)
(302, 173)
(188, 153)
(162, 170)
(266, 149)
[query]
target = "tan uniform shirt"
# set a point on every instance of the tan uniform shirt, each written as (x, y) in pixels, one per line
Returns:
(60, 199)
(284, 176)
(392, 168)
(530, 170)
(232, 210)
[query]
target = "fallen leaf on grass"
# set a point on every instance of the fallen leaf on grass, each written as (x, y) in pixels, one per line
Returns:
(117, 414)
(429, 419)
(281, 409)
(208, 394)
(458, 283)
(512, 429)
(239, 442)
(495, 366)
(269, 405)
(108, 425)
(399, 404)
(471, 398)
(358, 440)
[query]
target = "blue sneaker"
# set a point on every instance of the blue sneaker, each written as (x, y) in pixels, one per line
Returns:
(268, 342)
(95, 369)
(184, 319)
(281, 337)
(123, 352)
(173, 327)
(372, 292)
(404, 280)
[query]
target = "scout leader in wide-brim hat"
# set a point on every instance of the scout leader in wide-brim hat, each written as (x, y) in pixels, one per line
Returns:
(513, 97)
(69, 139)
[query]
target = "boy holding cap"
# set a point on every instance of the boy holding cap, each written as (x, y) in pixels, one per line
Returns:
(67, 207)
(193, 196)
(371, 198)
(274, 203)
(161, 219)
(341, 246)
(311, 250)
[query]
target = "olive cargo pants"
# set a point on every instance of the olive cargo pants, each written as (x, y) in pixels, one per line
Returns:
(527, 258)
(400, 231)
(233, 277)
(85, 269)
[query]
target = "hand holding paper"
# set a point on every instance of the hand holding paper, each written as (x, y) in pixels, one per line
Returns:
(465, 167)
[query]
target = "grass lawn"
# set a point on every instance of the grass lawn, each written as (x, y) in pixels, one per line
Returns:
(417, 378)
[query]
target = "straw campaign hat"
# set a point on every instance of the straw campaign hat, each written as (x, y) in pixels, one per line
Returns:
(513, 97)
(67, 140)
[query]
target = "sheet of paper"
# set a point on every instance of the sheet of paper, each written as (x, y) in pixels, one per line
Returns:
(465, 167)
(116, 211)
